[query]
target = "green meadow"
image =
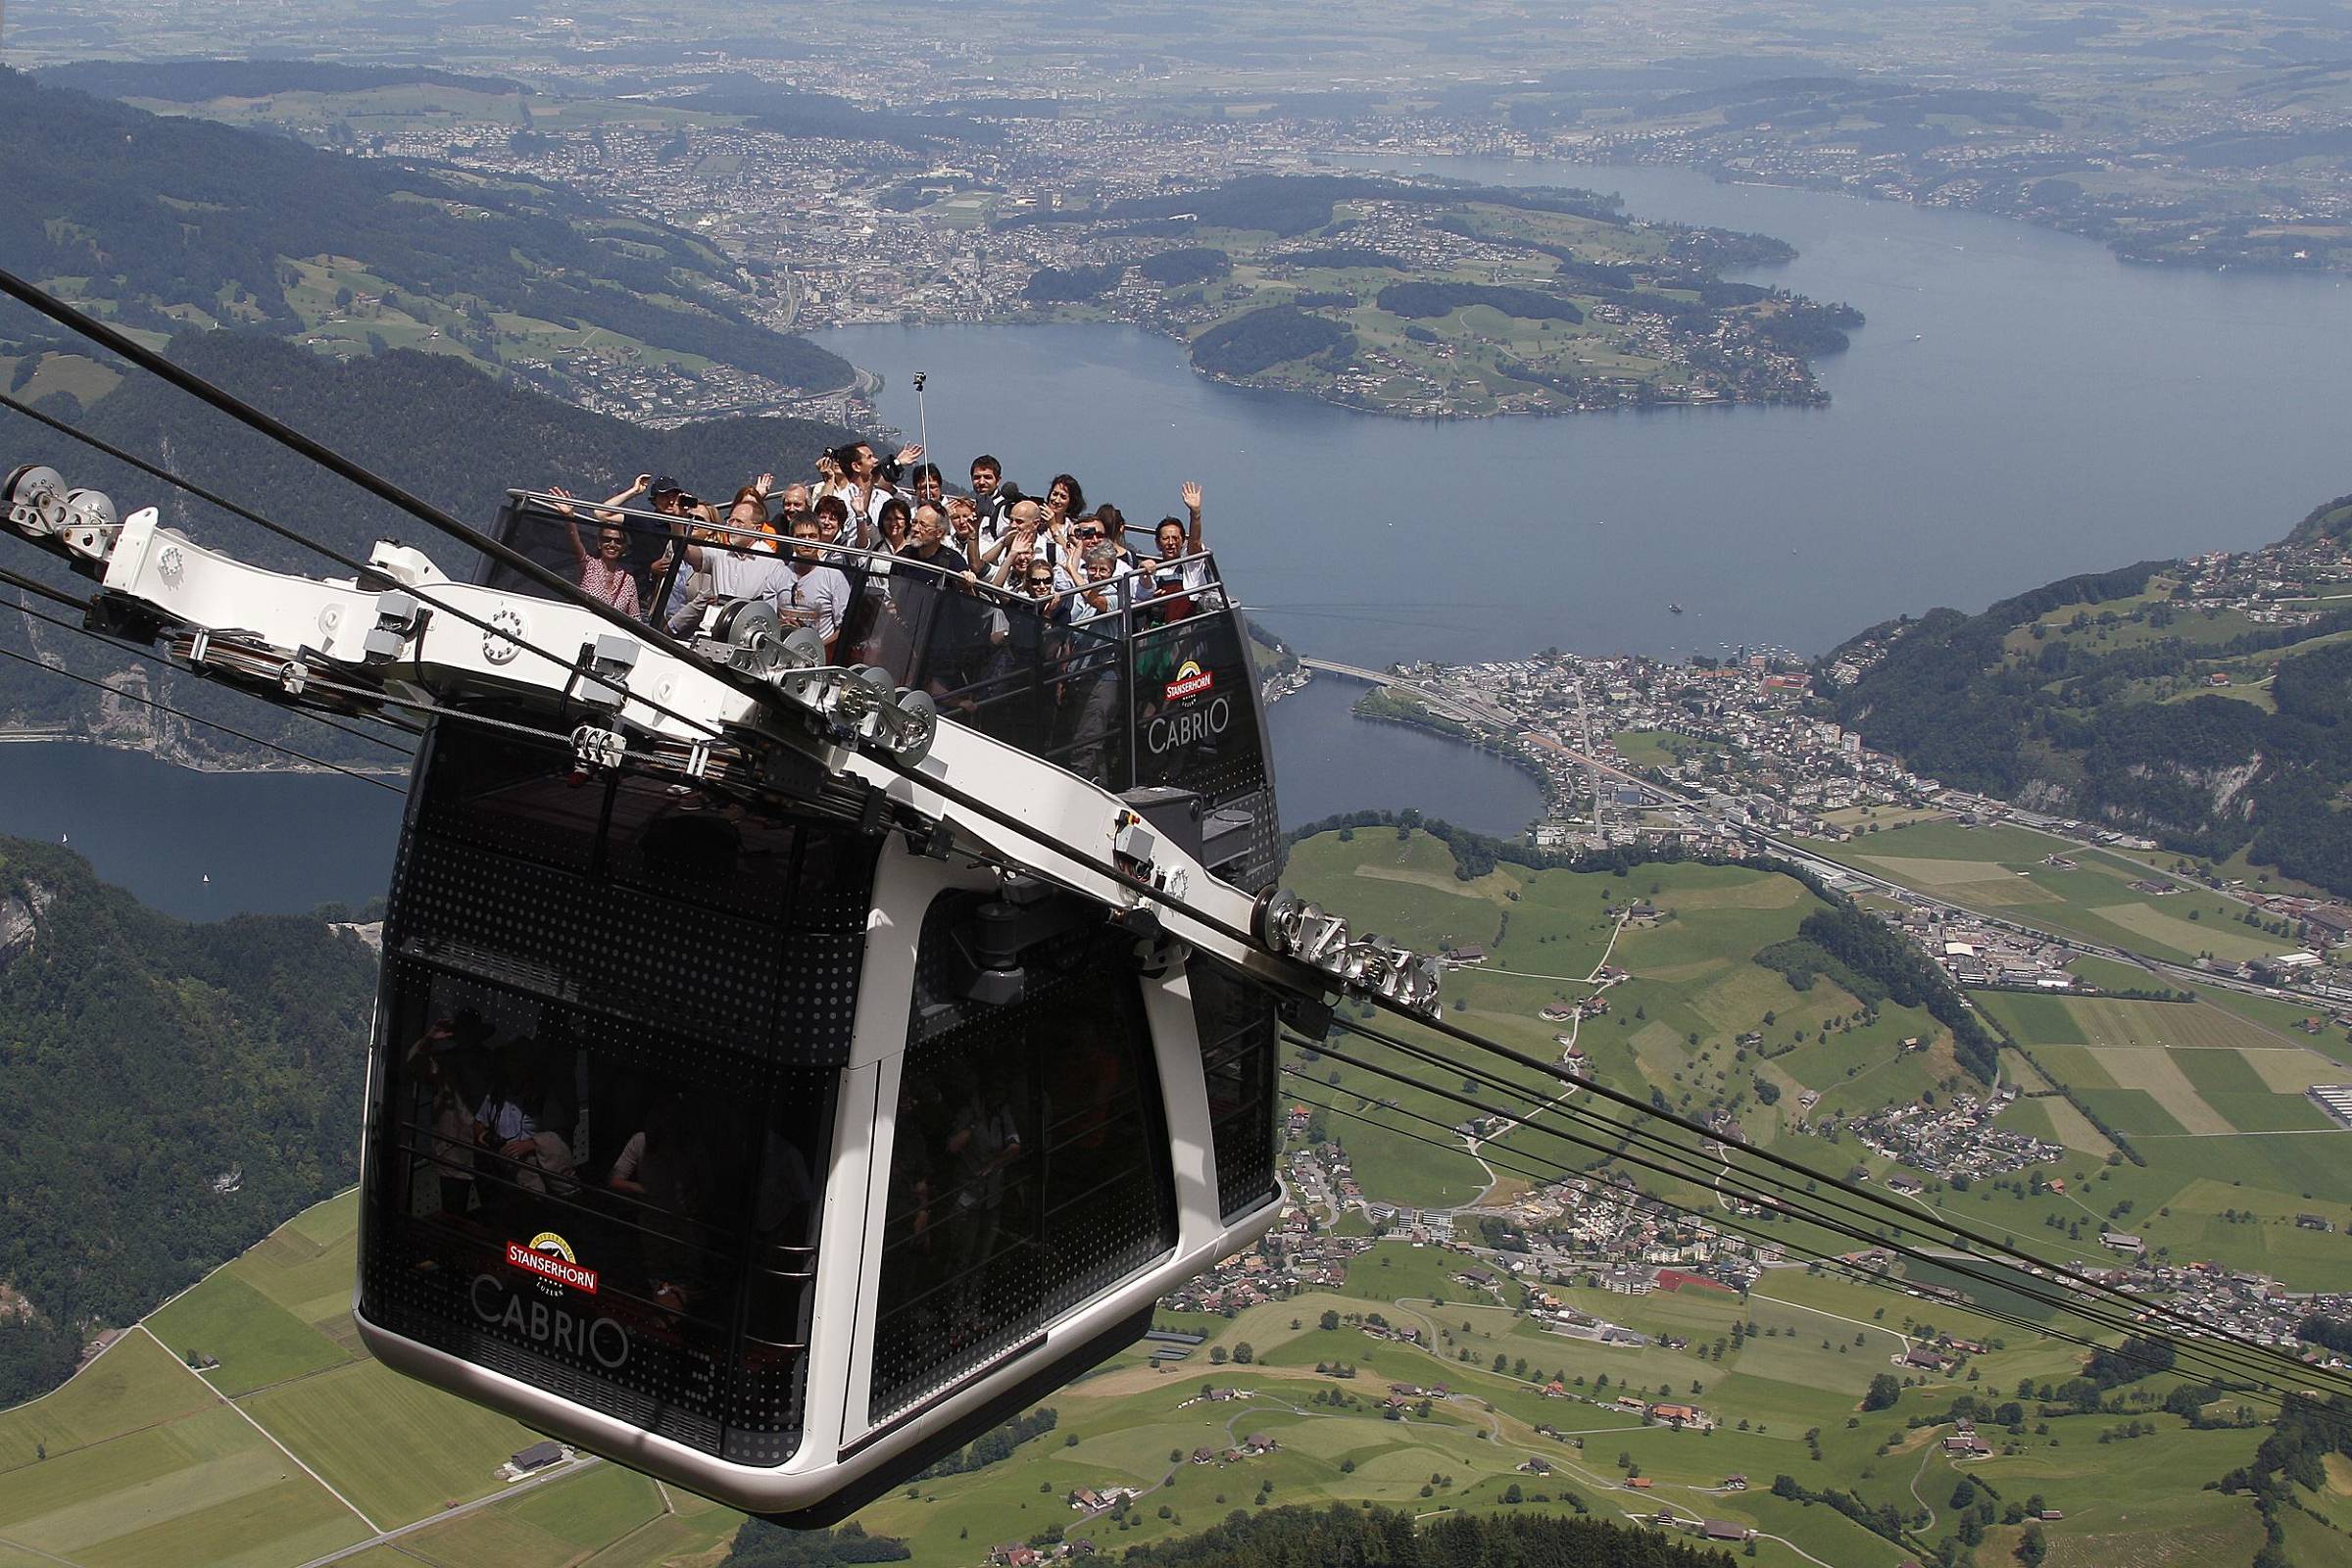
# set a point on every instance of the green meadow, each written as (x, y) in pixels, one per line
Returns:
(142, 1459)
(1998, 869)
(149, 1464)
(149, 1461)
(1673, 1026)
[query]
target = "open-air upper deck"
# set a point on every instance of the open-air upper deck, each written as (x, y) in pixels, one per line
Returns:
(1141, 682)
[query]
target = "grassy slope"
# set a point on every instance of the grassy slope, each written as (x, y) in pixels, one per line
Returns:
(146, 1464)
(1998, 871)
(146, 1467)
(1544, 932)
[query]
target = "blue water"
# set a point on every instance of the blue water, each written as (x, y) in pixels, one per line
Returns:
(269, 842)
(2020, 407)
(1327, 762)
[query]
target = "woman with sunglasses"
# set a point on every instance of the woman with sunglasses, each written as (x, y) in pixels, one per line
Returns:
(603, 571)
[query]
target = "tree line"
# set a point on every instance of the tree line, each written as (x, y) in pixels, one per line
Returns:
(142, 1060)
(1344, 1537)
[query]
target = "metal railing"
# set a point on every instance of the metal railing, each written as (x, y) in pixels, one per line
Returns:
(1076, 678)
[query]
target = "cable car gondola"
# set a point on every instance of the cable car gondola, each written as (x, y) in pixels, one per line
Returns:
(786, 1064)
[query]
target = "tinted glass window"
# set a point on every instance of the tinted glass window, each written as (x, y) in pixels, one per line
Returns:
(623, 1216)
(1030, 1163)
(1238, 1037)
(614, 1009)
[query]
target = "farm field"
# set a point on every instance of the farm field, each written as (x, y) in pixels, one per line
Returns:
(2181, 1081)
(2205, 1069)
(1998, 871)
(200, 1487)
(142, 1460)
(1674, 1023)
(2228, 1152)
(151, 1466)
(146, 1457)
(398, 1449)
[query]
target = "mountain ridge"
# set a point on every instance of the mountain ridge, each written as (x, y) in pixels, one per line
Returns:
(2202, 701)
(162, 221)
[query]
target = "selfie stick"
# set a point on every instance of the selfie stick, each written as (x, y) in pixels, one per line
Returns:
(922, 417)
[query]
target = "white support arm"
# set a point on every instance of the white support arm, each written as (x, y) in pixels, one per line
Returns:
(429, 636)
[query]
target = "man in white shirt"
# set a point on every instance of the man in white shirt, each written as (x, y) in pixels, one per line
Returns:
(870, 482)
(1090, 697)
(1179, 574)
(992, 498)
(734, 573)
(814, 594)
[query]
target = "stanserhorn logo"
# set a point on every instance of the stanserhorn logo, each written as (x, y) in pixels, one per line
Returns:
(549, 1258)
(1191, 680)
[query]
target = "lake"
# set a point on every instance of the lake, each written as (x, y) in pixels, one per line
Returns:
(1326, 762)
(2022, 406)
(269, 843)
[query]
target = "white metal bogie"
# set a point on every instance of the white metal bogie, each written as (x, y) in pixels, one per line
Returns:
(319, 639)
(1370, 965)
(35, 501)
(41, 505)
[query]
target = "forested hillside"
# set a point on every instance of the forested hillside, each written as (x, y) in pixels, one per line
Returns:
(1385, 1537)
(146, 1064)
(165, 222)
(430, 422)
(2207, 704)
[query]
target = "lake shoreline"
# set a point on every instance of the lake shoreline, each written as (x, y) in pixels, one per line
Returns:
(173, 757)
(1828, 185)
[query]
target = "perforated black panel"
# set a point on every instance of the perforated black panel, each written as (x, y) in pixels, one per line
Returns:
(631, 897)
(1030, 1165)
(614, 1015)
(686, 1308)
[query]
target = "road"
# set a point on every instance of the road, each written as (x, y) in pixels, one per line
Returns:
(1445, 707)
(551, 1473)
(1475, 710)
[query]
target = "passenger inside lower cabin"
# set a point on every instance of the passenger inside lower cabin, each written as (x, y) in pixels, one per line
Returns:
(1029, 1160)
(653, 1115)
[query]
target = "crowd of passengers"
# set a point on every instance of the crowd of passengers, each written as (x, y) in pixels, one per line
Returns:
(1053, 562)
